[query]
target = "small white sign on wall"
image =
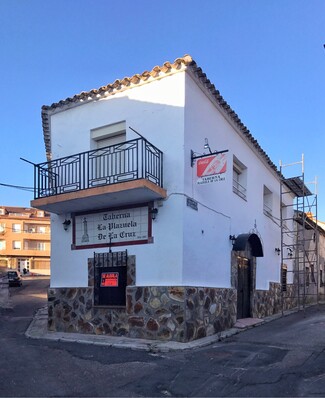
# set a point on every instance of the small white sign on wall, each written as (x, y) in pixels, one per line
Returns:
(114, 227)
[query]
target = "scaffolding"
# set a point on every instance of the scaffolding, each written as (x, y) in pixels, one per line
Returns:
(299, 241)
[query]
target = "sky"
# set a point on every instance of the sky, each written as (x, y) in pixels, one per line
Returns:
(266, 57)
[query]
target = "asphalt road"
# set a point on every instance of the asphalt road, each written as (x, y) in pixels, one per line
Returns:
(284, 358)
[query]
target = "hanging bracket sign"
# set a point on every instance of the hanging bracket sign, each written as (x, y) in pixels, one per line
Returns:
(212, 168)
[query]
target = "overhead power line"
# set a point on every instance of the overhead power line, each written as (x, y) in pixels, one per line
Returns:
(29, 189)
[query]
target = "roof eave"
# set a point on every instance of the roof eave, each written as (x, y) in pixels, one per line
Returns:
(180, 64)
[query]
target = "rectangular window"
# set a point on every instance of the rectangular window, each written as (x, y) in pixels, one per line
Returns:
(16, 245)
(2, 228)
(239, 178)
(307, 276)
(2, 245)
(284, 216)
(312, 274)
(40, 245)
(29, 228)
(19, 214)
(321, 282)
(34, 228)
(16, 227)
(267, 201)
(41, 264)
(284, 275)
(34, 245)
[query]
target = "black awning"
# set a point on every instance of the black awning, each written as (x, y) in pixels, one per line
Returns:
(255, 242)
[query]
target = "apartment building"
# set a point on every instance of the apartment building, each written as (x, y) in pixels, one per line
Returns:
(25, 236)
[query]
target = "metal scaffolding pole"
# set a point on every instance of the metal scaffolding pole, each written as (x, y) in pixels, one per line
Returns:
(299, 242)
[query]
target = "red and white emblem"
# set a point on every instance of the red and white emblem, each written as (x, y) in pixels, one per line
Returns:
(211, 165)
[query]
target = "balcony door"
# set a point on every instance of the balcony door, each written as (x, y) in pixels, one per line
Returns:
(105, 164)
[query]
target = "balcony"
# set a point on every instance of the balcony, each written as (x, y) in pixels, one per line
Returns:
(121, 174)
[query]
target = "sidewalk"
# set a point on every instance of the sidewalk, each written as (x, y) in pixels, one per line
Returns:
(38, 330)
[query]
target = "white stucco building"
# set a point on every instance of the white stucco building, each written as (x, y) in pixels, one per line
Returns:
(158, 165)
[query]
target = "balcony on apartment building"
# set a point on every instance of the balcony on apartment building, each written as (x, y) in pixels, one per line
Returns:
(36, 232)
(126, 173)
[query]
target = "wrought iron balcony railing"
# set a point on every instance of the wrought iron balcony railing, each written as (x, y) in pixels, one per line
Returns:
(239, 189)
(127, 161)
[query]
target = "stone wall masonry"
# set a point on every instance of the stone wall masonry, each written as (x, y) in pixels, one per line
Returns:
(157, 312)
(269, 302)
(73, 310)
(179, 313)
(209, 311)
(153, 312)
(169, 313)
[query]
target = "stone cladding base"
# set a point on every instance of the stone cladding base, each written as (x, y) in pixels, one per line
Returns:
(179, 313)
(269, 302)
(168, 313)
(174, 313)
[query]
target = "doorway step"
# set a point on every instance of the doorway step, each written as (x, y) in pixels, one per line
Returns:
(247, 322)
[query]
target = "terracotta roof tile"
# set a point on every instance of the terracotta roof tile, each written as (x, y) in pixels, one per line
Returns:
(123, 83)
(167, 68)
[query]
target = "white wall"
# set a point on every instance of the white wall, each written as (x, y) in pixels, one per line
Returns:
(190, 247)
(156, 110)
(207, 248)
(238, 216)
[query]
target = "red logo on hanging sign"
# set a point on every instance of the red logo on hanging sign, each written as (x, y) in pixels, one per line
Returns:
(215, 164)
(109, 279)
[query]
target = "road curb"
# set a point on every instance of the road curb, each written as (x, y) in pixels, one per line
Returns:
(38, 330)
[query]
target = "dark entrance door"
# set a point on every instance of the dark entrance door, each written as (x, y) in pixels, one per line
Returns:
(243, 288)
(110, 278)
(111, 284)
